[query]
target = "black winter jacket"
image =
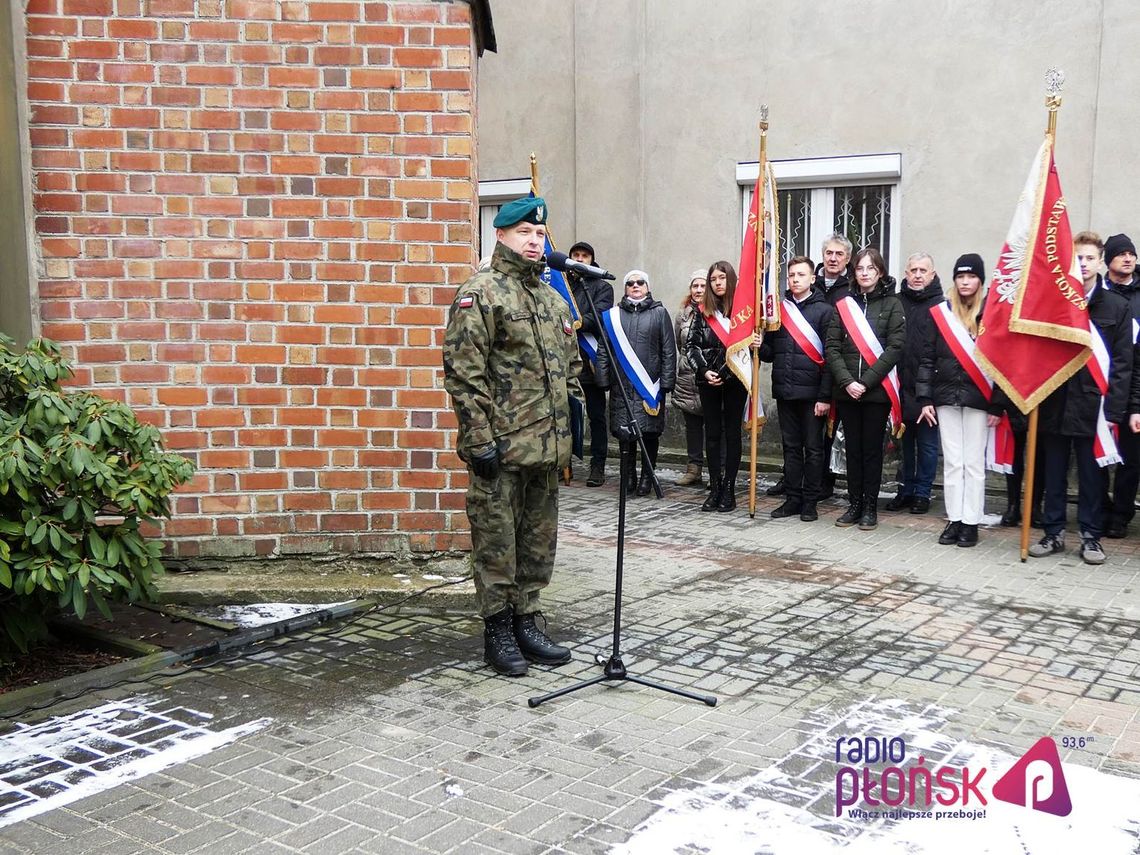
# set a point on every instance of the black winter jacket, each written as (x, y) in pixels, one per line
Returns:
(916, 306)
(1131, 292)
(705, 350)
(1072, 409)
(649, 329)
(841, 288)
(603, 294)
(885, 314)
(795, 377)
(941, 380)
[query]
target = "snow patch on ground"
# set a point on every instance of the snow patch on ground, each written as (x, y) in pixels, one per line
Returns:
(260, 614)
(66, 758)
(777, 813)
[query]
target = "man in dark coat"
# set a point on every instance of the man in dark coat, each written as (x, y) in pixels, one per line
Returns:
(921, 291)
(584, 287)
(1068, 417)
(1120, 257)
(833, 280)
(802, 389)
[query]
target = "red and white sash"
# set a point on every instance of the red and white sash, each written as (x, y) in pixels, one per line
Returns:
(1099, 364)
(999, 442)
(855, 322)
(802, 332)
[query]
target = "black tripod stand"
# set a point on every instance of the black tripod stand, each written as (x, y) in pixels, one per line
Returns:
(614, 668)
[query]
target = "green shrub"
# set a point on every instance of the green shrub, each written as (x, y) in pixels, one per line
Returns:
(78, 475)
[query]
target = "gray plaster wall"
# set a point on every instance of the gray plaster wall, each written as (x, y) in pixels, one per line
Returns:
(639, 111)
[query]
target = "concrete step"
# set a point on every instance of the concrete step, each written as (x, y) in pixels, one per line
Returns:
(416, 586)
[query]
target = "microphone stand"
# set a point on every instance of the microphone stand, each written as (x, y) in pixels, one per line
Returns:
(614, 668)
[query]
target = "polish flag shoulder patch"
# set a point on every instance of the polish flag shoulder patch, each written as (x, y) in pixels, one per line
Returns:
(466, 301)
(566, 327)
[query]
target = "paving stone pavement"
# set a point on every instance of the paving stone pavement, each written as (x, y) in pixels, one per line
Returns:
(387, 734)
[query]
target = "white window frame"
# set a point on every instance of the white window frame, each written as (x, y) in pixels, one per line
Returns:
(492, 195)
(821, 175)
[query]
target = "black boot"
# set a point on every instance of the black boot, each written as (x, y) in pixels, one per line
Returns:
(851, 516)
(500, 650)
(779, 488)
(631, 480)
(727, 501)
(645, 485)
(968, 535)
(1012, 516)
(710, 503)
(535, 645)
(870, 518)
(950, 534)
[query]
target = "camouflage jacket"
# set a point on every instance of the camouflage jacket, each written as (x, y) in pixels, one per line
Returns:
(511, 363)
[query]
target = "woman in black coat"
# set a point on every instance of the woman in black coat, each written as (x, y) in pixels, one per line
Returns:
(723, 396)
(649, 330)
(951, 400)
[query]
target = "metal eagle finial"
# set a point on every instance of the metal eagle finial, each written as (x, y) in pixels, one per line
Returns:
(1054, 81)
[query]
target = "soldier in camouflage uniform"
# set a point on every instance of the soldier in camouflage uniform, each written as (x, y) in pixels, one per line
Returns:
(511, 362)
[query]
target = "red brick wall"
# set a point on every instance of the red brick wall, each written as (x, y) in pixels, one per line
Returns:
(251, 216)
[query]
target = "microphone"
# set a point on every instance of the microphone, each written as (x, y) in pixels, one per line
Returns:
(561, 261)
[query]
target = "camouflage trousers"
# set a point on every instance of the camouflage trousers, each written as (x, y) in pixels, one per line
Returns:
(514, 533)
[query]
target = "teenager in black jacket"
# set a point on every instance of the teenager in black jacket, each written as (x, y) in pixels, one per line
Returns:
(802, 389)
(723, 396)
(1068, 417)
(863, 402)
(951, 399)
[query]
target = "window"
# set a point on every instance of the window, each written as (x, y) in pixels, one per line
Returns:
(856, 196)
(492, 196)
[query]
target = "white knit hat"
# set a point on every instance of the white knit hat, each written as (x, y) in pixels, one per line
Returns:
(636, 274)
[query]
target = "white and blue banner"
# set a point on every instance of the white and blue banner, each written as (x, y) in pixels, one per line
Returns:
(648, 389)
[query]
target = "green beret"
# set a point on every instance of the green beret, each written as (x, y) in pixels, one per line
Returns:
(531, 209)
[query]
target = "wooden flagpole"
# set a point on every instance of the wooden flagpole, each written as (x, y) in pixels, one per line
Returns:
(1053, 82)
(568, 471)
(758, 284)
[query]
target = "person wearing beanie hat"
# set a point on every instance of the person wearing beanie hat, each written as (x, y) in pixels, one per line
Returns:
(971, 262)
(1122, 277)
(921, 290)
(1120, 256)
(511, 366)
(685, 395)
(950, 398)
(648, 340)
(1068, 419)
(590, 294)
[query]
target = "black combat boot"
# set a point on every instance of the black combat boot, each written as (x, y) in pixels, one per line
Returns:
(727, 501)
(968, 535)
(851, 516)
(714, 492)
(535, 645)
(500, 650)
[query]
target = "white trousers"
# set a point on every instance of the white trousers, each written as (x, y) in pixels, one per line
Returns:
(963, 432)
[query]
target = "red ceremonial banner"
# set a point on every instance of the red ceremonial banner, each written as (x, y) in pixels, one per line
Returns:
(1034, 333)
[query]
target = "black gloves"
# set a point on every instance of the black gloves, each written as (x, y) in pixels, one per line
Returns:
(485, 464)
